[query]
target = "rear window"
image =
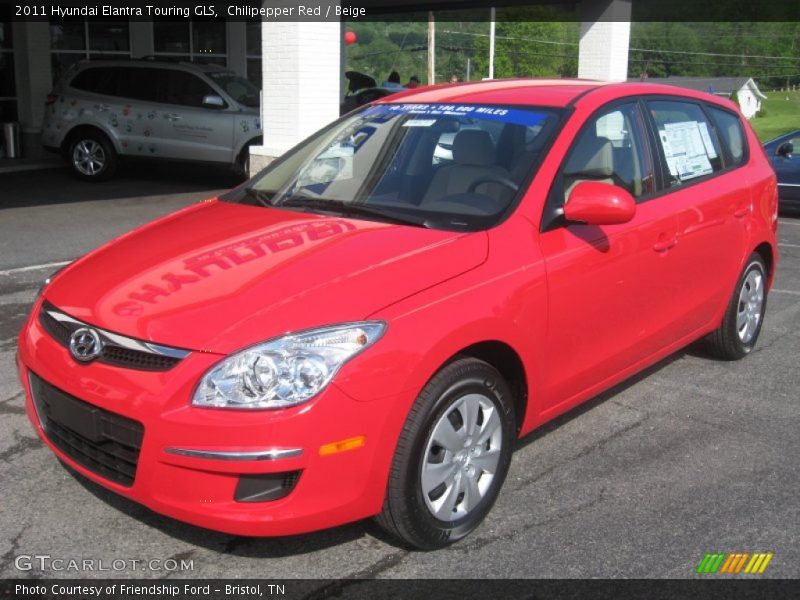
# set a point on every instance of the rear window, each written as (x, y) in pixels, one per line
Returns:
(730, 130)
(688, 141)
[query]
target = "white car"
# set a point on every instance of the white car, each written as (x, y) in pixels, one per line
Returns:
(101, 111)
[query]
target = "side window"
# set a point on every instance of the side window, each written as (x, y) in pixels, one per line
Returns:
(687, 139)
(730, 130)
(97, 80)
(138, 83)
(180, 87)
(612, 148)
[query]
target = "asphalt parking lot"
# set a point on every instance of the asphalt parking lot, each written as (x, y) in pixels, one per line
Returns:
(692, 456)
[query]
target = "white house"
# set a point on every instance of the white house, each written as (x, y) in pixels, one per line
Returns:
(747, 91)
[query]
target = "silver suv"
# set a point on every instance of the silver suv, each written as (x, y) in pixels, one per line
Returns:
(102, 110)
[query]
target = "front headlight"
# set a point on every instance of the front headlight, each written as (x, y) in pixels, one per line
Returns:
(285, 371)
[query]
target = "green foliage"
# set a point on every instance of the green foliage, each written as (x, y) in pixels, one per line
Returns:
(781, 114)
(529, 43)
(735, 98)
(542, 41)
(767, 51)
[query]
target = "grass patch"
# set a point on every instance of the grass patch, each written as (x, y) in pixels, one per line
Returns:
(782, 115)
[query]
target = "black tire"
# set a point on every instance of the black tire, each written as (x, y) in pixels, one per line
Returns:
(726, 343)
(241, 168)
(94, 143)
(406, 514)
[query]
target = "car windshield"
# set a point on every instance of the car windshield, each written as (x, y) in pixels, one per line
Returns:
(236, 87)
(444, 166)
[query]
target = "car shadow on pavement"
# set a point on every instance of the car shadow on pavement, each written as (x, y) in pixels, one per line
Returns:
(280, 547)
(549, 427)
(134, 181)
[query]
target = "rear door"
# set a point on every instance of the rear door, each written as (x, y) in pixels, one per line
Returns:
(705, 186)
(190, 130)
(609, 287)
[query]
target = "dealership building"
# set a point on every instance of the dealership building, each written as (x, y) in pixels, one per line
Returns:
(298, 64)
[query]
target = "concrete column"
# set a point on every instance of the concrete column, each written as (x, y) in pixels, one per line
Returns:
(34, 81)
(141, 38)
(301, 64)
(605, 37)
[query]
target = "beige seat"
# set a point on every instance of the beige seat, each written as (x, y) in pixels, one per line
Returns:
(474, 156)
(591, 160)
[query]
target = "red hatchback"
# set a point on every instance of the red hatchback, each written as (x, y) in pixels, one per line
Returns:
(365, 327)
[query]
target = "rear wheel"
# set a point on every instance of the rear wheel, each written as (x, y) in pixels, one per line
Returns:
(91, 156)
(741, 325)
(452, 457)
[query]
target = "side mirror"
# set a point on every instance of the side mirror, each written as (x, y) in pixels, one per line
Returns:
(213, 101)
(596, 203)
(786, 149)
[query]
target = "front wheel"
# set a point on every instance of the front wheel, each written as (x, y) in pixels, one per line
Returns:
(92, 156)
(741, 325)
(452, 457)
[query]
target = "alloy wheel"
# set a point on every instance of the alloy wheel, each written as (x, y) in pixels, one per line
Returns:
(88, 157)
(751, 303)
(461, 457)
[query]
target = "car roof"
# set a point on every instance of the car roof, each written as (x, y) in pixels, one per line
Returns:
(188, 66)
(540, 92)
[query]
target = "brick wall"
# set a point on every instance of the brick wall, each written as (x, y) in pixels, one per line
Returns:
(301, 83)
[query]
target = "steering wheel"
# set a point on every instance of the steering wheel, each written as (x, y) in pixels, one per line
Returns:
(504, 181)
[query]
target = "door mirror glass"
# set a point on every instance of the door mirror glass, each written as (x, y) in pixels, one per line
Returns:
(213, 101)
(597, 203)
(786, 149)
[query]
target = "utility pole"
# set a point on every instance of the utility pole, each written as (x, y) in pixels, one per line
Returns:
(492, 16)
(431, 49)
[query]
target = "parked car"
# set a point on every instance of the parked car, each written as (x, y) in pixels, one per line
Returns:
(365, 328)
(101, 111)
(362, 97)
(362, 89)
(782, 154)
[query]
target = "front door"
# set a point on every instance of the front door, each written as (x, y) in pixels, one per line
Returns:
(188, 129)
(608, 286)
(787, 168)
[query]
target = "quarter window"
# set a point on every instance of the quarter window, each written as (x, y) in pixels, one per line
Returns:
(687, 140)
(732, 134)
(612, 149)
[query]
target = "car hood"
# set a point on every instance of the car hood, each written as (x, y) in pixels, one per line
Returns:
(219, 276)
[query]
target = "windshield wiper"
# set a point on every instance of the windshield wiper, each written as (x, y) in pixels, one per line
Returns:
(356, 210)
(264, 197)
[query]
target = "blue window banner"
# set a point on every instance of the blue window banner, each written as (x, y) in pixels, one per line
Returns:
(502, 114)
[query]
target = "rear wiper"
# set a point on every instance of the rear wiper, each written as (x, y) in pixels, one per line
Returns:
(264, 197)
(351, 209)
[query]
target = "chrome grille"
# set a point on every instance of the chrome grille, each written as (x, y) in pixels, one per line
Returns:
(118, 350)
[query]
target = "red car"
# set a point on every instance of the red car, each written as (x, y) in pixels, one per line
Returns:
(366, 327)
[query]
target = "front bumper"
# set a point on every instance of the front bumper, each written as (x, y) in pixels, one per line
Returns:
(192, 459)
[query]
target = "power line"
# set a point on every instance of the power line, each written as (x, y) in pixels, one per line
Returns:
(689, 52)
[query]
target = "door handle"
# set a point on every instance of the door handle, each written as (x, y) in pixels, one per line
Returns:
(742, 212)
(174, 117)
(664, 245)
(103, 107)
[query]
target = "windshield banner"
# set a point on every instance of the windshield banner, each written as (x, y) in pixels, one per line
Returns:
(519, 116)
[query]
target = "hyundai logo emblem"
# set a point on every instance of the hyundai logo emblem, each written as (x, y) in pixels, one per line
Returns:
(85, 344)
